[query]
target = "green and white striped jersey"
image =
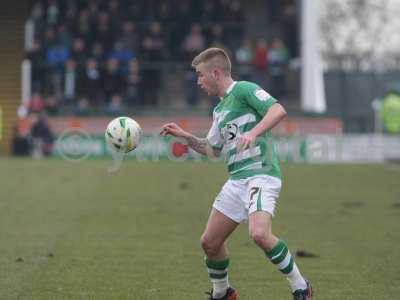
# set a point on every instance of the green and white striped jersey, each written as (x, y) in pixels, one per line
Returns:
(240, 109)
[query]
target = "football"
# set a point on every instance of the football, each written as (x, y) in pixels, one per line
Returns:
(123, 134)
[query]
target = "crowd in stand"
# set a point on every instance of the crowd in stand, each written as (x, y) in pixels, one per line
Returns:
(101, 56)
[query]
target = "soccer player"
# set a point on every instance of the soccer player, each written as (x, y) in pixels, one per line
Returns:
(242, 123)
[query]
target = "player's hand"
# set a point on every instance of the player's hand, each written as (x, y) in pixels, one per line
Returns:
(245, 141)
(173, 129)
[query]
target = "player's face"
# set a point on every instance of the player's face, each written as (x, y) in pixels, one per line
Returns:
(206, 79)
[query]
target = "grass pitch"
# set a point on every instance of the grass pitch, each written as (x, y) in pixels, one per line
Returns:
(75, 231)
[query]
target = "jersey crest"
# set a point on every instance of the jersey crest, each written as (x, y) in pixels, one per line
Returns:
(230, 131)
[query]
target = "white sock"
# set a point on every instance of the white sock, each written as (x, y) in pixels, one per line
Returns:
(218, 273)
(295, 279)
(219, 287)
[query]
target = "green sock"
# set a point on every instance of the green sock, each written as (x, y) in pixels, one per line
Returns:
(283, 259)
(218, 274)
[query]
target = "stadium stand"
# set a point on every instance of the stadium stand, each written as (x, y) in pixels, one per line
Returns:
(101, 57)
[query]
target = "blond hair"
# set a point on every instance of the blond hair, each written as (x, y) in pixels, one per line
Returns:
(214, 57)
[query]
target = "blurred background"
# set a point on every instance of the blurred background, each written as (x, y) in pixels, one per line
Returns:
(78, 63)
(333, 65)
(76, 231)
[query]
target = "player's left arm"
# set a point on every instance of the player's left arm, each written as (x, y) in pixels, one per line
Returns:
(267, 106)
(273, 116)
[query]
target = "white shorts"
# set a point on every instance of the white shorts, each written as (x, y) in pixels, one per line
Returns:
(240, 198)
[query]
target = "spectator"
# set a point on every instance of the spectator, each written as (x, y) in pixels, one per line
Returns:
(71, 12)
(234, 13)
(52, 12)
(274, 11)
(115, 106)
(42, 136)
(151, 84)
(234, 27)
(153, 43)
(90, 83)
(261, 61)
(122, 54)
(63, 36)
(278, 59)
(115, 14)
(135, 12)
(35, 55)
(49, 38)
(183, 15)
(103, 32)
(113, 81)
(82, 107)
(83, 28)
(36, 103)
(98, 52)
(52, 105)
(133, 84)
(70, 80)
(21, 145)
(194, 42)
(57, 56)
(224, 8)
(83, 24)
(78, 52)
(216, 38)
(130, 38)
(152, 49)
(190, 86)
(164, 14)
(244, 57)
(37, 12)
(210, 13)
(290, 28)
(93, 10)
(67, 31)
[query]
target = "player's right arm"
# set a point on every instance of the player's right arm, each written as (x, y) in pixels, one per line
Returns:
(200, 145)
